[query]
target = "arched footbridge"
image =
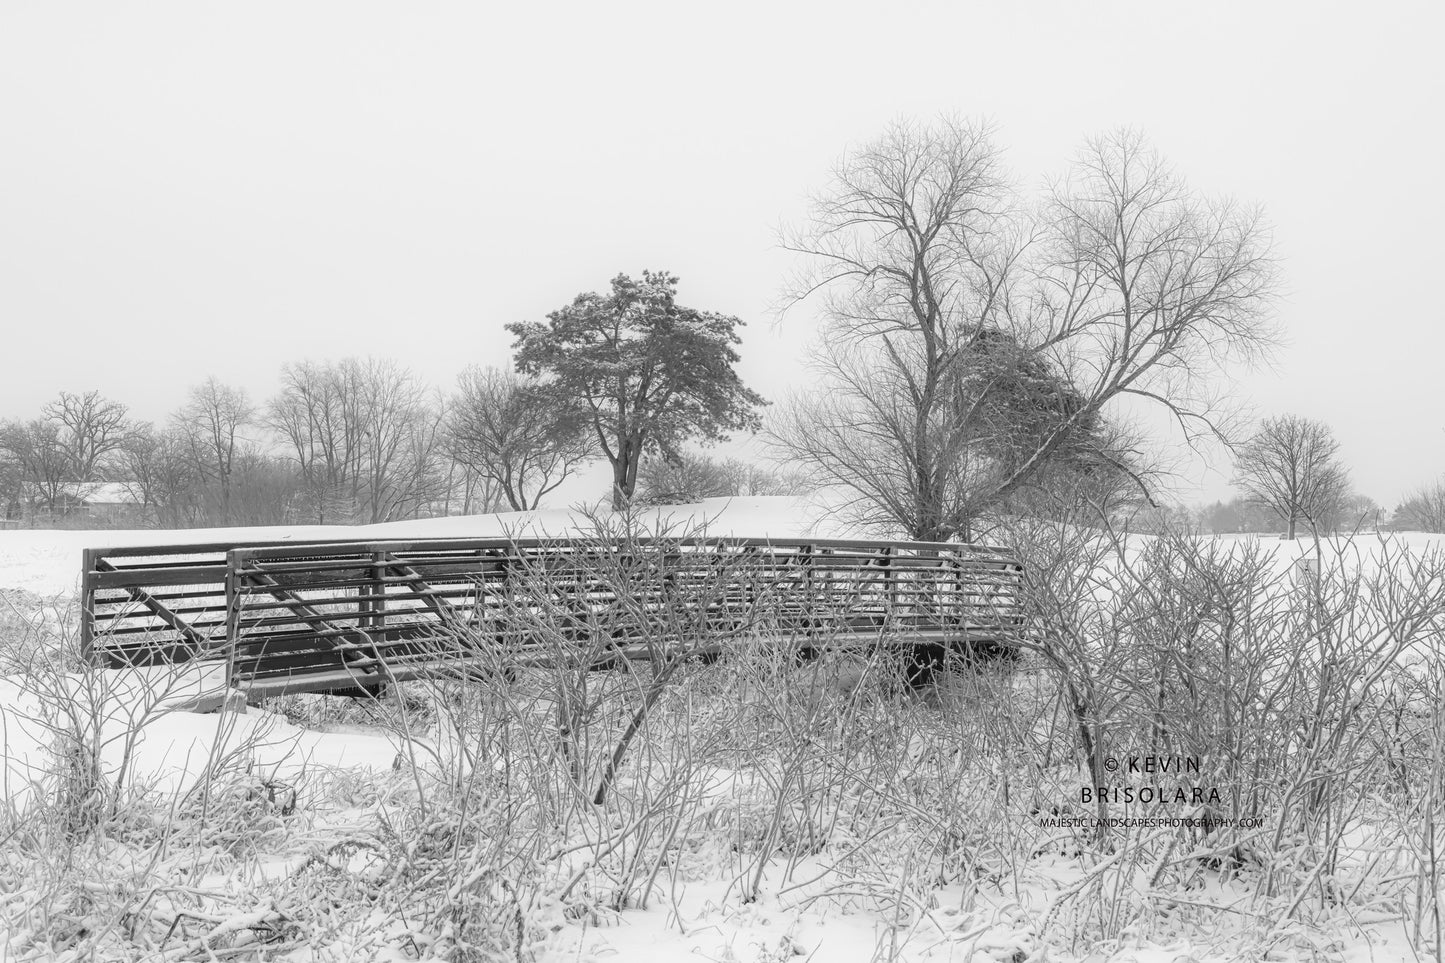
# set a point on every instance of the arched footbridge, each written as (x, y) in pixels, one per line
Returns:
(352, 615)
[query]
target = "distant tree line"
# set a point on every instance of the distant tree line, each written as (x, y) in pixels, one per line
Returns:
(348, 441)
(691, 476)
(1423, 510)
(975, 349)
(629, 376)
(1242, 515)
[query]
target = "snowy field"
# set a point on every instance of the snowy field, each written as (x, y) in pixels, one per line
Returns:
(305, 830)
(48, 562)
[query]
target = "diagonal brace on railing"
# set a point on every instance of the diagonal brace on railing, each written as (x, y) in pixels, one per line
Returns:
(307, 613)
(444, 609)
(159, 608)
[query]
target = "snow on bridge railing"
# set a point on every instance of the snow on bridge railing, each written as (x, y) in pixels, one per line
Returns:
(334, 615)
(144, 604)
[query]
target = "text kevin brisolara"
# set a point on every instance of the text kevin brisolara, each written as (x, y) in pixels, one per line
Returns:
(1192, 795)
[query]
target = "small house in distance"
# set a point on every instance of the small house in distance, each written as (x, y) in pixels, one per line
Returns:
(105, 503)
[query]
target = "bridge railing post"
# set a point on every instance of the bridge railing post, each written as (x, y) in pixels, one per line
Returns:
(371, 604)
(87, 605)
(232, 639)
(890, 585)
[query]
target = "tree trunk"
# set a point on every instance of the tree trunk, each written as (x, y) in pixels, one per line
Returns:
(620, 495)
(624, 473)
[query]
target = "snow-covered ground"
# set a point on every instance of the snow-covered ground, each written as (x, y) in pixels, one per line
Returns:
(169, 750)
(48, 562)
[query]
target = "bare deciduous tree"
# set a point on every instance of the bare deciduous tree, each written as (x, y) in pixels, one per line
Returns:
(1291, 464)
(968, 340)
(505, 430)
(12, 482)
(162, 475)
(467, 492)
(264, 489)
(212, 422)
(1423, 510)
(365, 436)
(39, 458)
(1357, 512)
(92, 430)
(682, 479)
(691, 477)
(403, 438)
(748, 478)
(319, 417)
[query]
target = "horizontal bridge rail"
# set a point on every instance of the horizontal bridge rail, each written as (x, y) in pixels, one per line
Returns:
(355, 614)
(141, 605)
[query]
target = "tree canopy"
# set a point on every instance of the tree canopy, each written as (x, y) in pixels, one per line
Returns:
(507, 431)
(1292, 465)
(649, 372)
(971, 340)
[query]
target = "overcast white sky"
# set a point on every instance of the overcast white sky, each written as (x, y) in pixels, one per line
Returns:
(190, 189)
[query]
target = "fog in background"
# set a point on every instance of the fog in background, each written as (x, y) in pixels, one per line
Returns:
(189, 190)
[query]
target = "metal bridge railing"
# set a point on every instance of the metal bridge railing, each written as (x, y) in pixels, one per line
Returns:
(350, 615)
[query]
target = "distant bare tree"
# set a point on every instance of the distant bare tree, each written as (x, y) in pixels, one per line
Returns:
(471, 493)
(92, 430)
(1237, 515)
(213, 421)
(319, 417)
(968, 341)
(12, 482)
(1423, 510)
(690, 477)
(682, 479)
(162, 474)
(505, 430)
(750, 479)
(1292, 465)
(264, 489)
(38, 455)
(1357, 512)
(365, 437)
(401, 470)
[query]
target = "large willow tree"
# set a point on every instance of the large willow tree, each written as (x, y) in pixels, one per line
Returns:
(972, 339)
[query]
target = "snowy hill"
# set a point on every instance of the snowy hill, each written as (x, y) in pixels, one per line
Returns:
(48, 562)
